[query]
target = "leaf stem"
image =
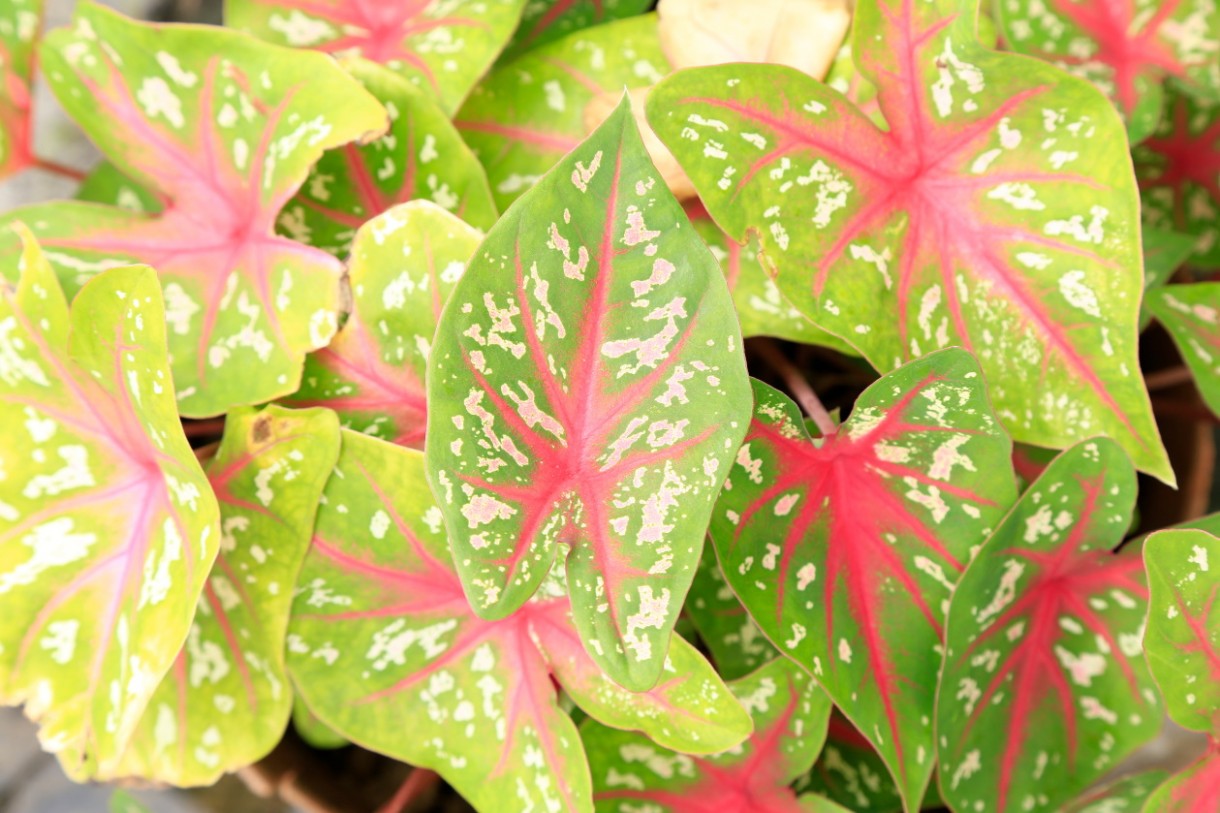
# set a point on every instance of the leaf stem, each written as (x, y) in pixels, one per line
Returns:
(203, 428)
(797, 385)
(1171, 377)
(62, 170)
(418, 783)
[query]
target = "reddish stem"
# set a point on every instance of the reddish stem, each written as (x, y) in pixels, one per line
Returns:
(56, 168)
(797, 385)
(418, 782)
(1171, 377)
(198, 429)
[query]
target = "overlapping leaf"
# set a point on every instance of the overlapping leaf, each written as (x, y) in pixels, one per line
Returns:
(1044, 688)
(1191, 314)
(630, 774)
(586, 393)
(548, 20)
(107, 184)
(1125, 47)
(19, 24)
(1179, 174)
(850, 772)
(997, 211)
(107, 525)
(1194, 790)
(403, 266)
(386, 650)
(440, 46)
(1126, 795)
(1182, 641)
(421, 157)
(845, 549)
(227, 699)
(528, 113)
(736, 644)
(224, 128)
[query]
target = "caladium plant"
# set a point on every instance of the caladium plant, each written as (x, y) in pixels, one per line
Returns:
(228, 129)
(107, 524)
(383, 638)
(1044, 688)
(547, 20)
(1191, 314)
(440, 46)
(630, 773)
(18, 31)
(403, 265)
(585, 394)
(994, 212)
(1125, 47)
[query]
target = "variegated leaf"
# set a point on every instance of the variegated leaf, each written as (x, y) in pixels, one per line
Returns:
(422, 157)
(20, 21)
(1179, 174)
(1126, 795)
(107, 525)
(107, 184)
(630, 774)
(440, 46)
(548, 20)
(226, 702)
(224, 128)
(851, 772)
(997, 211)
(1196, 789)
(1182, 641)
(1044, 688)
(385, 649)
(403, 266)
(530, 112)
(1191, 314)
(585, 395)
(736, 644)
(845, 549)
(1125, 47)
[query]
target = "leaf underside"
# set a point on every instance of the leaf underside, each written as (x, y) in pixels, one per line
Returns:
(226, 701)
(997, 212)
(224, 129)
(844, 550)
(383, 641)
(107, 525)
(1044, 687)
(403, 265)
(586, 393)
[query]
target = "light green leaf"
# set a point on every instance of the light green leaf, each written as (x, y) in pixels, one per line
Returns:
(1191, 314)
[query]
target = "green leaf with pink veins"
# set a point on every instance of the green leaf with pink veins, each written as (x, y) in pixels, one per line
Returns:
(403, 266)
(20, 21)
(630, 773)
(527, 114)
(1126, 795)
(1044, 688)
(440, 46)
(998, 212)
(586, 393)
(1191, 314)
(385, 649)
(845, 549)
(422, 157)
(1126, 47)
(224, 128)
(1182, 640)
(547, 20)
(107, 525)
(227, 700)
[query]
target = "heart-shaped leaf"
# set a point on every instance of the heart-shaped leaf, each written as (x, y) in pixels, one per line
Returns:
(404, 263)
(630, 774)
(998, 212)
(1179, 174)
(386, 650)
(225, 128)
(586, 392)
(1191, 314)
(1196, 789)
(421, 157)
(845, 549)
(548, 20)
(107, 525)
(440, 46)
(227, 700)
(1044, 688)
(735, 642)
(528, 113)
(1127, 795)
(1126, 48)
(1182, 642)
(19, 25)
